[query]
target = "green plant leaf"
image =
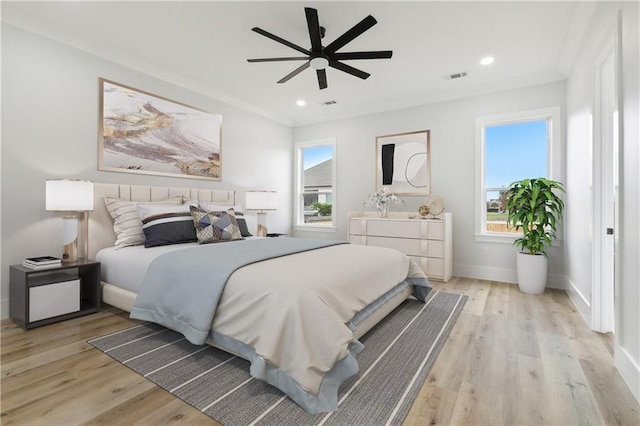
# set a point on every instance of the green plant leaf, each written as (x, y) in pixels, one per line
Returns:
(534, 208)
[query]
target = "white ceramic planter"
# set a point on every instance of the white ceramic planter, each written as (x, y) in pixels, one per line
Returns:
(532, 272)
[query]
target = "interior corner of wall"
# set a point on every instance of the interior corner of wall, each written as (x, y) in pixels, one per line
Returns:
(581, 303)
(629, 370)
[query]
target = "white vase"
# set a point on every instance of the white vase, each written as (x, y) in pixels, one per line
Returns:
(383, 209)
(532, 272)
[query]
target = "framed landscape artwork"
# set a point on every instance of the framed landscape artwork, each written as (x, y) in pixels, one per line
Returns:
(403, 163)
(145, 133)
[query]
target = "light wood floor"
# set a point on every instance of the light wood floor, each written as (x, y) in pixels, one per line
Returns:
(510, 359)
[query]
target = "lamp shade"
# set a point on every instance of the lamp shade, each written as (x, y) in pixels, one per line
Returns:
(69, 195)
(261, 200)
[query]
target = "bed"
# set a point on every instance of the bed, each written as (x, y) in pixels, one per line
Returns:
(295, 310)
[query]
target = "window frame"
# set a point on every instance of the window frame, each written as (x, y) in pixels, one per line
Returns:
(298, 204)
(554, 161)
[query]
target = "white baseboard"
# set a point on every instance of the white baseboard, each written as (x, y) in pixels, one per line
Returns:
(629, 370)
(485, 273)
(581, 303)
(4, 308)
(502, 275)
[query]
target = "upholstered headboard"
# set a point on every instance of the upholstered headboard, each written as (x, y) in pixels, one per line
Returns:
(101, 233)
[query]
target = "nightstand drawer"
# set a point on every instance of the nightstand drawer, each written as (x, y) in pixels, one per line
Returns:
(51, 300)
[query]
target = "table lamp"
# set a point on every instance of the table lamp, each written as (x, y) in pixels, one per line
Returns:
(74, 197)
(261, 201)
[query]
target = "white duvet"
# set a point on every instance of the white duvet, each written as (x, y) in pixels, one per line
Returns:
(282, 317)
(293, 311)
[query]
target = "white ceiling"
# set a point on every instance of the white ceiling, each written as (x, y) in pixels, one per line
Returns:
(204, 46)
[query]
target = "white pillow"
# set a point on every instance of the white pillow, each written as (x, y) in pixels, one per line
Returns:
(126, 222)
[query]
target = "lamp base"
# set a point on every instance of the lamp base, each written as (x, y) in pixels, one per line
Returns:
(70, 252)
(69, 239)
(262, 224)
(262, 231)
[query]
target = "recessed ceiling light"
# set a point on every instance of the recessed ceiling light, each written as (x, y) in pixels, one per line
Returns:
(487, 61)
(301, 102)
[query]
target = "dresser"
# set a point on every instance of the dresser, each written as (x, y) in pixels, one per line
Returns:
(426, 241)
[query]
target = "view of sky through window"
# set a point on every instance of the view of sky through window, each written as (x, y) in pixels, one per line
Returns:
(514, 152)
(315, 155)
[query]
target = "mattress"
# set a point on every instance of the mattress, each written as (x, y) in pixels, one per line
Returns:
(126, 267)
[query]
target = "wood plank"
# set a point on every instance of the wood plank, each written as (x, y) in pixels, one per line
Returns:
(511, 358)
(434, 405)
(155, 406)
(616, 408)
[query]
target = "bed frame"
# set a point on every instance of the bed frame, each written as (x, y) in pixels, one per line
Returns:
(101, 236)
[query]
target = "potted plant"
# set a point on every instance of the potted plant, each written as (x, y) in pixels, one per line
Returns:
(534, 206)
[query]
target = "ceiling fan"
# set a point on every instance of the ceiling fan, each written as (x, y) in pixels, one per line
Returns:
(319, 56)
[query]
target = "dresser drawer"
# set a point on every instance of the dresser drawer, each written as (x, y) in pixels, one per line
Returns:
(435, 230)
(418, 229)
(394, 228)
(409, 246)
(432, 267)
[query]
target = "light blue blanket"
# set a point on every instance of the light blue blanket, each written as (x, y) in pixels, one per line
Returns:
(181, 290)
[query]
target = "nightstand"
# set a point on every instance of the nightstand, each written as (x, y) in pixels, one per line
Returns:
(44, 296)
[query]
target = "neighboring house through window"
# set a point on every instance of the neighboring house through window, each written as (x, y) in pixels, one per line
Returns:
(511, 147)
(315, 184)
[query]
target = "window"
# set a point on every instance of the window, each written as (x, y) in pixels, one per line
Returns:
(512, 147)
(315, 185)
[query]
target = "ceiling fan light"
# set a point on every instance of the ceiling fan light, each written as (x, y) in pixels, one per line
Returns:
(319, 63)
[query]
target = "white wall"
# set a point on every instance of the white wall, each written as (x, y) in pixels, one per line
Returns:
(580, 107)
(50, 129)
(452, 126)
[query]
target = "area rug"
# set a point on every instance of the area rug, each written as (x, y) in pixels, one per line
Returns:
(398, 355)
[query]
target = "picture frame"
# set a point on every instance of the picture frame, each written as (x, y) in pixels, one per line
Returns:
(403, 163)
(140, 132)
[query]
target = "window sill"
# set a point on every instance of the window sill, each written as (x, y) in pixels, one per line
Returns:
(495, 238)
(505, 239)
(315, 228)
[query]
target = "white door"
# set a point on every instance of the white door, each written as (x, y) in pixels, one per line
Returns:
(605, 188)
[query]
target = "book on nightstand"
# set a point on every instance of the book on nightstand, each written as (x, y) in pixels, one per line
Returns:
(42, 262)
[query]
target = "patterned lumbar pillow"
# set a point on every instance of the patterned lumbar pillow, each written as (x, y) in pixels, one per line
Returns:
(215, 226)
(163, 225)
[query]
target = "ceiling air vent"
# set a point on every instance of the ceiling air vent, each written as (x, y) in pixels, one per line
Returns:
(457, 75)
(326, 103)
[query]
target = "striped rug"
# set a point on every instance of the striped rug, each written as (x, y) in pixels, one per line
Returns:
(398, 355)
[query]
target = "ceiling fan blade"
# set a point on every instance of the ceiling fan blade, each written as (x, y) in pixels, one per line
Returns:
(349, 69)
(322, 78)
(381, 54)
(293, 58)
(314, 29)
(294, 73)
(354, 32)
(280, 40)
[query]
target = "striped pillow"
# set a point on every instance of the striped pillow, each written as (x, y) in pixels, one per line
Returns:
(126, 222)
(164, 225)
(212, 227)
